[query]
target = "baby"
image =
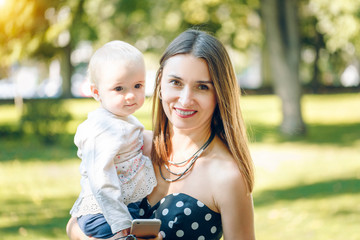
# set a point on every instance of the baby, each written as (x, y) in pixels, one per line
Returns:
(114, 171)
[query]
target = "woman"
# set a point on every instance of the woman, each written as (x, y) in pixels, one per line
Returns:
(199, 150)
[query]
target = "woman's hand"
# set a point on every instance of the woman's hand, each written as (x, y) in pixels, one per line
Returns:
(159, 237)
(74, 232)
(120, 235)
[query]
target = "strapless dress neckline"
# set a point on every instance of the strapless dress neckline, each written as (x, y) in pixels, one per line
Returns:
(182, 217)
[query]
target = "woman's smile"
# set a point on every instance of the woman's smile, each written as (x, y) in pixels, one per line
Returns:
(184, 113)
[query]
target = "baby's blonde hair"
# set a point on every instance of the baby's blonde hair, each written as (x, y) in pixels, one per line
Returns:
(114, 51)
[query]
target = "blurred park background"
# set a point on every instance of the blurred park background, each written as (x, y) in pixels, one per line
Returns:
(297, 63)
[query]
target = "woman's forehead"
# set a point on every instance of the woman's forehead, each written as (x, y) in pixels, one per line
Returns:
(186, 66)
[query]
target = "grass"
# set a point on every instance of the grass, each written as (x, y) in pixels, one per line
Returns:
(306, 188)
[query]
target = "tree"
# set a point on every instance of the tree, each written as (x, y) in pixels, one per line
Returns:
(330, 38)
(22, 27)
(53, 29)
(44, 30)
(68, 26)
(312, 42)
(282, 41)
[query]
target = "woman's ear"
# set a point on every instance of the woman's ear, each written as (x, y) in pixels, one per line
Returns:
(94, 92)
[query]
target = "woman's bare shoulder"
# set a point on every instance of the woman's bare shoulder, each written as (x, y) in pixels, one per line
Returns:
(220, 159)
(225, 171)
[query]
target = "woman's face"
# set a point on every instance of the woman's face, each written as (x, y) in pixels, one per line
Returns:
(187, 91)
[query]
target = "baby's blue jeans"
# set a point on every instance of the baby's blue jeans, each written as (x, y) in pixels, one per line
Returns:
(95, 225)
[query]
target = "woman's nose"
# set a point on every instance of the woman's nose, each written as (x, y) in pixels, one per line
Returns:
(185, 97)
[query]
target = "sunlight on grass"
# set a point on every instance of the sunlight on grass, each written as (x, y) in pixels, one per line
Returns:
(260, 109)
(9, 114)
(334, 218)
(306, 187)
(286, 164)
(340, 108)
(306, 192)
(35, 198)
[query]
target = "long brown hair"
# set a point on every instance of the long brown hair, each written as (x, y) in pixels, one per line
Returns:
(227, 120)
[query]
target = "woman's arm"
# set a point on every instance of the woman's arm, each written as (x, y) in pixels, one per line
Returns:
(236, 206)
(147, 136)
(74, 232)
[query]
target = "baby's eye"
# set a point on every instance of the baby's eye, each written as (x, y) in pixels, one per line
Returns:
(118, 89)
(139, 85)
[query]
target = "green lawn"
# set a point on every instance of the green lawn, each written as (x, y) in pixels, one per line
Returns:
(306, 188)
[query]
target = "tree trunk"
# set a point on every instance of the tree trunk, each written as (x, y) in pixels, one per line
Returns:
(66, 71)
(315, 81)
(282, 39)
(66, 66)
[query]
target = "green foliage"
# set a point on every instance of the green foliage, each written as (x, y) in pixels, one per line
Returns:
(330, 42)
(338, 21)
(35, 28)
(10, 131)
(29, 24)
(22, 27)
(45, 118)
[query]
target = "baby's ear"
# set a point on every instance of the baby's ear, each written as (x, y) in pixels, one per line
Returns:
(94, 92)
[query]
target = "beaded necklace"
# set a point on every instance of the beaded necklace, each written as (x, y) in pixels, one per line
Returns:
(190, 160)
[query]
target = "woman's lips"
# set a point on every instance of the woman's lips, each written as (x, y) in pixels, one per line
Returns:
(184, 113)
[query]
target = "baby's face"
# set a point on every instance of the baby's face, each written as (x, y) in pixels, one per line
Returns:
(121, 87)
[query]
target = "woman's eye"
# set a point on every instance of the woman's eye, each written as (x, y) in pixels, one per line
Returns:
(203, 87)
(175, 82)
(118, 89)
(138, 85)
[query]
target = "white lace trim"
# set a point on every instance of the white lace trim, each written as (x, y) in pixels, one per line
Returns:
(138, 187)
(84, 206)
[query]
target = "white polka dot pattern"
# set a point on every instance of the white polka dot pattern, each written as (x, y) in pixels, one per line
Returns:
(183, 217)
(165, 212)
(187, 211)
(194, 225)
(141, 212)
(180, 233)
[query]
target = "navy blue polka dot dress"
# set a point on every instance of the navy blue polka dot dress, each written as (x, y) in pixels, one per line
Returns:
(182, 217)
